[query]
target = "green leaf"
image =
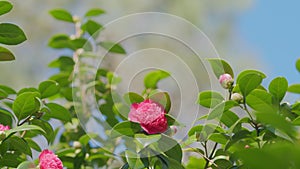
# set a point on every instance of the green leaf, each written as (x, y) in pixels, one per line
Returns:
(195, 130)
(27, 165)
(229, 118)
(171, 120)
(26, 104)
(170, 147)
(3, 94)
(220, 67)
(26, 90)
(5, 54)
(218, 110)
(84, 140)
(64, 63)
(59, 41)
(24, 127)
(278, 88)
(134, 161)
(33, 144)
(245, 72)
(16, 144)
(62, 14)
(222, 162)
(218, 138)
(276, 121)
(125, 128)
(94, 12)
(113, 47)
(6, 117)
(298, 65)
(58, 112)
(210, 99)
(5, 7)
(152, 78)
(146, 140)
(92, 28)
(11, 34)
(260, 100)
(162, 98)
(297, 121)
(295, 88)
(195, 163)
(47, 132)
(132, 97)
(7, 89)
(48, 88)
(248, 82)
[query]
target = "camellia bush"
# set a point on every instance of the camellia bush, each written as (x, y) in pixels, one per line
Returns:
(251, 127)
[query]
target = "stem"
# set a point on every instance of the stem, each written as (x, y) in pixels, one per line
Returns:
(246, 109)
(26, 120)
(7, 98)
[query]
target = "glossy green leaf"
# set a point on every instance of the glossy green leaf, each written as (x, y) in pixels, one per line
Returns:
(7, 89)
(94, 12)
(249, 82)
(246, 72)
(260, 100)
(195, 130)
(113, 47)
(92, 27)
(170, 147)
(195, 163)
(6, 117)
(218, 110)
(152, 78)
(64, 63)
(48, 88)
(218, 138)
(210, 99)
(47, 132)
(222, 162)
(133, 160)
(24, 127)
(162, 98)
(26, 104)
(11, 34)
(5, 7)
(3, 94)
(125, 128)
(84, 140)
(220, 67)
(132, 97)
(59, 41)
(229, 118)
(26, 90)
(5, 54)
(297, 121)
(276, 121)
(16, 144)
(62, 14)
(27, 165)
(32, 144)
(295, 88)
(171, 120)
(58, 112)
(278, 87)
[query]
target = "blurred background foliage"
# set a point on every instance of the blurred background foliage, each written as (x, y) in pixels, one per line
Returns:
(216, 19)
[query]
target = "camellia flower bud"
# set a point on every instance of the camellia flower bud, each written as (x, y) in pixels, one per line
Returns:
(226, 81)
(76, 144)
(150, 115)
(237, 97)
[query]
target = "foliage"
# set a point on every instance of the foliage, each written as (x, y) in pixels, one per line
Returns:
(258, 131)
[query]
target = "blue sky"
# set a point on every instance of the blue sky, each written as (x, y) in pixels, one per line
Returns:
(273, 29)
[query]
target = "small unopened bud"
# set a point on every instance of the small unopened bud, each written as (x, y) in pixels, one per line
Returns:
(77, 144)
(76, 18)
(247, 146)
(237, 97)
(2, 135)
(173, 130)
(226, 81)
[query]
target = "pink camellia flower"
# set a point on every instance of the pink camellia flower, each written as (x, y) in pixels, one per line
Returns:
(226, 81)
(150, 115)
(3, 128)
(48, 160)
